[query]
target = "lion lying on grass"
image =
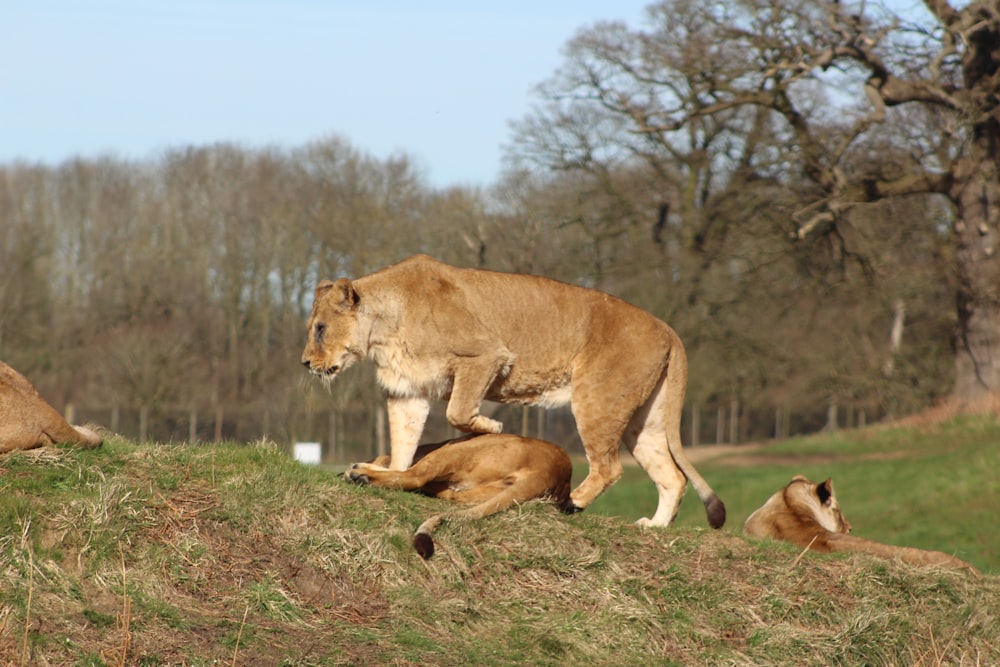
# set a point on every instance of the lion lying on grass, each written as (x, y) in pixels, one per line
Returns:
(467, 335)
(27, 421)
(492, 471)
(808, 515)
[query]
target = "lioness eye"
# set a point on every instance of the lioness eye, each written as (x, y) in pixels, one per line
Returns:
(320, 330)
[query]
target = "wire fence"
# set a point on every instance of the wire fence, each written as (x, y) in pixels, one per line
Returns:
(361, 433)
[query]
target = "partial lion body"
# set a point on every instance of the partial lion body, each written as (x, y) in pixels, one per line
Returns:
(492, 472)
(28, 421)
(466, 335)
(808, 515)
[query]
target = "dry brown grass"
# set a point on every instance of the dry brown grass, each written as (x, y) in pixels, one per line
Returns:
(227, 555)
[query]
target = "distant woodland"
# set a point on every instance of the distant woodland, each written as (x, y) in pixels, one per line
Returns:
(809, 196)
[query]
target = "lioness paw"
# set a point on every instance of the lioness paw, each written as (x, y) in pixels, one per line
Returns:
(357, 477)
(482, 424)
(569, 507)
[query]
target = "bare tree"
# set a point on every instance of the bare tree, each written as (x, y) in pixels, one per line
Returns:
(798, 89)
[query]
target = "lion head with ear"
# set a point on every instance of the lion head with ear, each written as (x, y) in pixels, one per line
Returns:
(808, 515)
(333, 333)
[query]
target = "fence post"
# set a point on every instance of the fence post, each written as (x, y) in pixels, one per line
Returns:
(114, 418)
(218, 422)
(734, 421)
(332, 451)
(695, 424)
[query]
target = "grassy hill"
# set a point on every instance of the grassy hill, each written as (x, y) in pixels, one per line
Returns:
(234, 554)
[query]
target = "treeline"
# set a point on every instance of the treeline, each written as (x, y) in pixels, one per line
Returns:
(181, 284)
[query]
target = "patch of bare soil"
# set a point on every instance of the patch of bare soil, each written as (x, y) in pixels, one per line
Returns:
(755, 454)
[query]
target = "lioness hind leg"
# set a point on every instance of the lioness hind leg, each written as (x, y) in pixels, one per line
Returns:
(649, 448)
(600, 442)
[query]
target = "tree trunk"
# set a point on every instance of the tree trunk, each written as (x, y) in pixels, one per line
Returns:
(976, 194)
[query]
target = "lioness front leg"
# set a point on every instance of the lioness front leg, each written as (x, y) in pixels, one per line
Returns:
(467, 394)
(406, 480)
(407, 417)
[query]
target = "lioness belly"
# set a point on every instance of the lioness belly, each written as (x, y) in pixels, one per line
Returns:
(518, 389)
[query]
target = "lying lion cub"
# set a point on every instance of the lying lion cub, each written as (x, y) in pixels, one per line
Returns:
(493, 471)
(808, 515)
(27, 421)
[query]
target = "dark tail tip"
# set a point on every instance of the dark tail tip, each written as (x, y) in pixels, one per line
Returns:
(424, 545)
(716, 512)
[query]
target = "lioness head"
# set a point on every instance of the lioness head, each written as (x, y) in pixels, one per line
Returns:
(332, 340)
(817, 501)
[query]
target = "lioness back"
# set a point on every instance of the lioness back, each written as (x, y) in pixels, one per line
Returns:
(549, 329)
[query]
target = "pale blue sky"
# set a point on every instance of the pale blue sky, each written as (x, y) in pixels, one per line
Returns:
(439, 80)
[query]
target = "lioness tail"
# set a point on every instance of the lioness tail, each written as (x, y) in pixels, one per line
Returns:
(424, 543)
(715, 509)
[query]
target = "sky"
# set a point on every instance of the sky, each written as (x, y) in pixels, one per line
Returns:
(438, 80)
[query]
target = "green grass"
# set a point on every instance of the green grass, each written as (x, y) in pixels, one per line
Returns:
(152, 555)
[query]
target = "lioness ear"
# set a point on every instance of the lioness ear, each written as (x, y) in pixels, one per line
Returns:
(323, 287)
(344, 294)
(825, 491)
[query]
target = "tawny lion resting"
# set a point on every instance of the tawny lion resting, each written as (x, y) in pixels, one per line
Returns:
(27, 421)
(435, 331)
(492, 471)
(808, 515)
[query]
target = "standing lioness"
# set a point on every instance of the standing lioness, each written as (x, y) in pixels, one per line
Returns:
(436, 331)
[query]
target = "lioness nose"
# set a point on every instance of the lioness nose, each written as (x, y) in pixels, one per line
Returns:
(305, 362)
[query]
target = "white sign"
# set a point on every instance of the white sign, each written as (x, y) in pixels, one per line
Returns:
(309, 453)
